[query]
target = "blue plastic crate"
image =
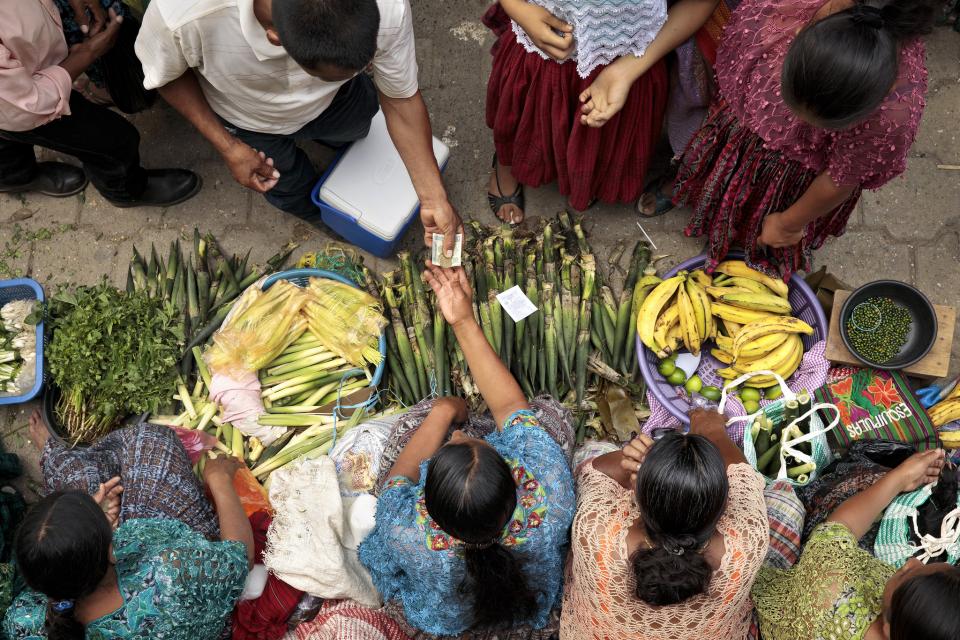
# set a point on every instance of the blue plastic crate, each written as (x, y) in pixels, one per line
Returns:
(25, 289)
(301, 277)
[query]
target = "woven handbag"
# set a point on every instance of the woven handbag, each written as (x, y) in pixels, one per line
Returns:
(820, 454)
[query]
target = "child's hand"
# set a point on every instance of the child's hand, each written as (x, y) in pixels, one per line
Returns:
(542, 27)
(453, 292)
(708, 424)
(920, 469)
(108, 497)
(605, 97)
(777, 233)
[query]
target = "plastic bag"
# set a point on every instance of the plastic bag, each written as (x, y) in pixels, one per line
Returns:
(252, 495)
(242, 405)
(345, 319)
(196, 442)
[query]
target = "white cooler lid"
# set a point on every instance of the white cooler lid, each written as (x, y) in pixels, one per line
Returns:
(371, 184)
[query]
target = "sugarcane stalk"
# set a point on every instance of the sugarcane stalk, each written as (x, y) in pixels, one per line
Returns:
(422, 380)
(440, 352)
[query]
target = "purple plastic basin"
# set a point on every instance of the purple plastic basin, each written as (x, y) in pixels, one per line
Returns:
(805, 306)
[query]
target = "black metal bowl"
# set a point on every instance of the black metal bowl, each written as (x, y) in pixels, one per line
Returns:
(923, 321)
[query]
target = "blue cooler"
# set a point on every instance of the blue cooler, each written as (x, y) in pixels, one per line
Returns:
(366, 195)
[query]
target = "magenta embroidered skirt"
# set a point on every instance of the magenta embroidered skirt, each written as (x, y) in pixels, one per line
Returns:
(533, 108)
(732, 182)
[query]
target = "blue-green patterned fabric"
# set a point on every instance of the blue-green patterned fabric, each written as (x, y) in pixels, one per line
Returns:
(176, 585)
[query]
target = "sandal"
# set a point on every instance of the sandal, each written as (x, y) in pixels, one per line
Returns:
(663, 203)
(497, 202)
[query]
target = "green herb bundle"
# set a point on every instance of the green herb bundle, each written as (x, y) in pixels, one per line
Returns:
(112, 353)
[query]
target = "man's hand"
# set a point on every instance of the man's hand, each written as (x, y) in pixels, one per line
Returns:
(605, 97)
(90, 15)
(251, 168)
(552, 35)
(108, 497)
(777, 232)
(441, 218)
(95, 46)
(454, 294)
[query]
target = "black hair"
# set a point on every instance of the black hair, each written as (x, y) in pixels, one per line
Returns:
(925, 607)
(62, 550)
(839, 69)
(471, 494)
(681, 492)
(341, 33)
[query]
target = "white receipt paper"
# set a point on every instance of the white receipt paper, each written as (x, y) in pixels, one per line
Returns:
(516, 303)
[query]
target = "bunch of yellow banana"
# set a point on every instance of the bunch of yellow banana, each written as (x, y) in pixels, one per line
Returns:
(947, 410)
(677, 312)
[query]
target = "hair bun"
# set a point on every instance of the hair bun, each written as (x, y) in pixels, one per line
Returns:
(63, 606)
(868, 16)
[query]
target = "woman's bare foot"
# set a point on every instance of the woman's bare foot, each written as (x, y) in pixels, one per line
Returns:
(38, 430)
(503, 186)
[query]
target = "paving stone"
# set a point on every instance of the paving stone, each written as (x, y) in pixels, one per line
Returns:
(858, 257)
(35, 210)
(938, 269)
(16, 439)
(916, 205)
(938, 136)
(81, 256)
(221, 203)
(117, 224)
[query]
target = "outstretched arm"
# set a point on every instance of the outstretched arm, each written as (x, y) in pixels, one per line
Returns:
(785, 229)
(859, 512)
(409, 125)
(497, 385)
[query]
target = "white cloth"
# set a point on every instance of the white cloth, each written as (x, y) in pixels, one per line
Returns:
(312, 541)
(250, 82)
(358, 454)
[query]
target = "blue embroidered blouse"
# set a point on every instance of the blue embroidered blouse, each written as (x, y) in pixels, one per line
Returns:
(176, 585)
(411, 560)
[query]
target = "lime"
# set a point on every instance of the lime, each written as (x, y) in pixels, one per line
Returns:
(772, 393)
(710, 393)
(694, 384)
(677, 378)
(749, 393)
(666, 367)
(751, 406)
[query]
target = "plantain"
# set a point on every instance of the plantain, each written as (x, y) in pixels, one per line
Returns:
(688, 322)
(653, 305)
(768, 326)
(667, 320)
(701, 278)
(739, 268)
(944, 411)
(758, 302)
(737, 314)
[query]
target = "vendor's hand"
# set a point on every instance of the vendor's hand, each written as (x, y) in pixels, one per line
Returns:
(708, 424)
(777, 232)
(108, 497)
(552, 35)
(453, 292)
(634, 454)
(919, 469)
(456, 406)
(605, 97)
(90, 15)
(441, 217)
(222, 467)
(251, 168)
(99, 44)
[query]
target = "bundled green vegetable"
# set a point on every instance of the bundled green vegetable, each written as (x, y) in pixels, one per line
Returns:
(579, 312)
(112, 354)
(345, 319)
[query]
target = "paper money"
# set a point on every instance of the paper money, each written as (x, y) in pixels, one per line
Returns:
(438, 258)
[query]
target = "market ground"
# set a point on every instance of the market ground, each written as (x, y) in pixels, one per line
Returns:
(909, 230)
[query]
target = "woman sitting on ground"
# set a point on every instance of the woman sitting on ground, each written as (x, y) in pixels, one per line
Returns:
(667, 539)
(840, 591)
(98, 566)
(471, 532)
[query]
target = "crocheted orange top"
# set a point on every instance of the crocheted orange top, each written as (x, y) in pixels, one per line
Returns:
(599, 601)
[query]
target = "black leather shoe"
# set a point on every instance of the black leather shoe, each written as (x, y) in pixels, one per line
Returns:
(57, 179)
(165, 188)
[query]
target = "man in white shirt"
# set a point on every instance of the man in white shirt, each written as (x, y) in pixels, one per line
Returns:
(255, 76)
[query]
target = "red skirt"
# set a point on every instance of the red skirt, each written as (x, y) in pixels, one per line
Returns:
(732, 181)
(533, 108)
